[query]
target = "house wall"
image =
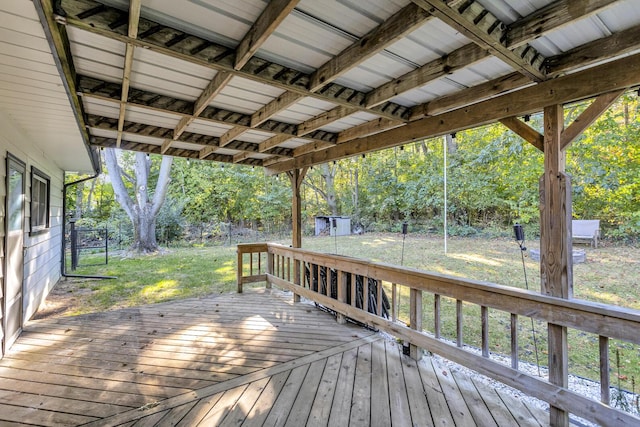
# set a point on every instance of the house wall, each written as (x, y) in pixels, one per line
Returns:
(42, 252)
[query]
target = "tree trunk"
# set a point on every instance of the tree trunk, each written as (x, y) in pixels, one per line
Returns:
(140, 209)
(329, 180)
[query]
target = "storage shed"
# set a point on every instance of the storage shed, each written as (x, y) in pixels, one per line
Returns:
(340, 227)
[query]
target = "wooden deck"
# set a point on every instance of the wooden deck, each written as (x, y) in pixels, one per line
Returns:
(251, 359)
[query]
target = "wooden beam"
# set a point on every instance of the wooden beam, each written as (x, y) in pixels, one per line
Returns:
(459, 58)
(214, 87)
(296, 177)
(368, 128)
(556, 268)
(403, 22)
(205, 152)
(105, 91)
(218, 57)
(273, 14)
(274, 107)
(132, 31)
(551, 17)
(166, 144)
(473, 94)
(588, 116)
(525, 131)
(231, 135)
(182, 126)
(237, 158)
(624, 42)
(622, 73)
(274, 141)
(483, 28)
(324, 119)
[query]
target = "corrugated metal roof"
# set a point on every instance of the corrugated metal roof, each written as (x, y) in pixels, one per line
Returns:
(382, 86)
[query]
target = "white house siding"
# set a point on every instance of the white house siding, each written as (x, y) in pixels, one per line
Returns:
(43, 250)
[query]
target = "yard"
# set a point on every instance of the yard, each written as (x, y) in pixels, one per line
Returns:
(611, 275)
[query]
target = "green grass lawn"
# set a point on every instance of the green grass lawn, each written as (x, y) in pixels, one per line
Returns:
(611, 275)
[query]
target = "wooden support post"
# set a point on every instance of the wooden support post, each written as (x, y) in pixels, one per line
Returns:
(239, 272)
(415, 320)
(556, 269)
(484, 315)
(605, 396)
(296, 176)
(514, 341)
(270, 262)
(342, 295)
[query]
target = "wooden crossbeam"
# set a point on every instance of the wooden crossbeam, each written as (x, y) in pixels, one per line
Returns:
(255, 69)
(237, 158)
(622, 73)
(166, 144)
(272, 142)
(480, 92)
(100, 89)
(368, 128)
(459, 58)
(483, 28)
(323, 119)
(205, 152)
(273, 14)
(551, 17)
(214, 87)
(626, 41)
(403, 22)
(274, 107)
(231, 135)
(132, 31)
(588, 116)
(527, 133)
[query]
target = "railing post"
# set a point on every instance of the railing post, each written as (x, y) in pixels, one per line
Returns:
(415, 320)
(342, 295)
(297, 272)
(269, 267)
(239, 271)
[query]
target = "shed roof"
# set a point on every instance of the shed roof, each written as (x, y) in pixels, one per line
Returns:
(291, 83)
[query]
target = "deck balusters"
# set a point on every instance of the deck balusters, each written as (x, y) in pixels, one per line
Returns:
(514, 341)
(484, 314)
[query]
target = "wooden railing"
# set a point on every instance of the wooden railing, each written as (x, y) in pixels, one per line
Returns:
(334, 281)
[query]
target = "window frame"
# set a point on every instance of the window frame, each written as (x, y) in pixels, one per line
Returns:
(42, 179)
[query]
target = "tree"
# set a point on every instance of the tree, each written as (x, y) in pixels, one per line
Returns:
(135, 198)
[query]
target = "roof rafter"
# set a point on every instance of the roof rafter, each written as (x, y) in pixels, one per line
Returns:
(483, 28)
(132, 32)
(551, 17)
(274, 107)
(403, 22)
(459, 58)
(90, 87)
(209, 143)
(324, 119)
(622, 73)
(194, 49)
(272, 15)
(617, 44)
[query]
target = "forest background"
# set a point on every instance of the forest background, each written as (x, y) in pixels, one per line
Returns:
(492, 182)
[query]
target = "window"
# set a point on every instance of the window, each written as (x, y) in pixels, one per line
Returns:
(39, 200)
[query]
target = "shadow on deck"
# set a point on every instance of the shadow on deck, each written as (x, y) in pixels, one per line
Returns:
(252, 359)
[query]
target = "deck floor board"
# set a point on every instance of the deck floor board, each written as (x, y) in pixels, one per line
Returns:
(252, 359)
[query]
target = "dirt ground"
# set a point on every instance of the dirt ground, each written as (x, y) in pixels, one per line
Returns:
(66, 296)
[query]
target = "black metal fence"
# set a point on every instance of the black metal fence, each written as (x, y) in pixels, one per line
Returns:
(88, 241)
